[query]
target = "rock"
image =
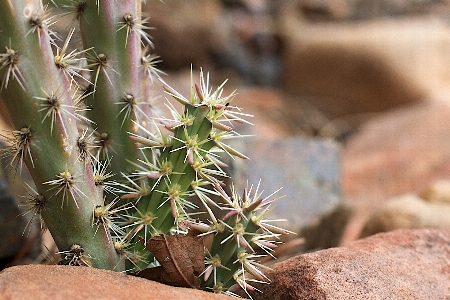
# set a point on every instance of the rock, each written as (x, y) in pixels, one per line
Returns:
(329, 10)
(403, 264)
(438, 191)
(408, 212)
(341, 80)
(327, 231)
(79, 283)
(248, 43)
(277, 114)
(308, 170)
(268, 110)
(361, 67)
(183, 31)
(11, 225)
(402, 151)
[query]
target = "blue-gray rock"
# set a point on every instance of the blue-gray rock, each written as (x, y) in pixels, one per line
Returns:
(308, 170)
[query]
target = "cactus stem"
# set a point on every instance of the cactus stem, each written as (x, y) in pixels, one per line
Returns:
(106, 145)
(192, 146)
(212, 262)
(163, 169)
(137, 190)
(238, 232)
(178, 200)
(134, 257)
(207, 174)
(143, 221)
(240, 277)
(151, 141)
(263, 242)
(250, 265)
(10, 59)
(130, 105)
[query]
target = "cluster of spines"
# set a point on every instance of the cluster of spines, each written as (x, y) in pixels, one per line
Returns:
(160, 174)
(240, 238)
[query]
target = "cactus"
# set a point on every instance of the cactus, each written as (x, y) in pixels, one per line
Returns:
(108, 169)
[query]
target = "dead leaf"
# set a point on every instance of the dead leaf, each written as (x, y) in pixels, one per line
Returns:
(149, 273)
(182, 258)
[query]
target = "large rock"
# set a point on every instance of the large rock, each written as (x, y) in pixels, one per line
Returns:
(404, 264)
(361, 67)
(339, 10)
(184, 31)
(403, 151)
(41, 282)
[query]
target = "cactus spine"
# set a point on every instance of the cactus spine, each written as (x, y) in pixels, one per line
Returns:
(107, 169)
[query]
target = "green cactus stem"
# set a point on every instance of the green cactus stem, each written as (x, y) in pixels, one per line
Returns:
(36, 89)
(108, 170)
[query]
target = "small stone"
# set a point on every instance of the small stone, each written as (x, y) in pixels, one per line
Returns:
(438, 191)
(408, 212)
(12, 224)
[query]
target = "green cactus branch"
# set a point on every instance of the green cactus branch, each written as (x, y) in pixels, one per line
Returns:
(34, 91)
(108, 171)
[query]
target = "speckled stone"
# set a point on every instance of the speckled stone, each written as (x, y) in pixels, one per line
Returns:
(402, 264)
(40, 282)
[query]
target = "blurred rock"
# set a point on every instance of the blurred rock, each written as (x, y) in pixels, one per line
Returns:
(438, 191)
(339, 10)
(402, 151)
(328, 230)
(268, 110)
(403, 264)
(408, 212)
(308, 170)
(41, 282)
(183, 32)
(249, 42)
(343, 81)
(11, 225)
(353, 68)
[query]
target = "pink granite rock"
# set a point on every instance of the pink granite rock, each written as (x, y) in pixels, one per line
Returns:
(402, 264)
(79, 283)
